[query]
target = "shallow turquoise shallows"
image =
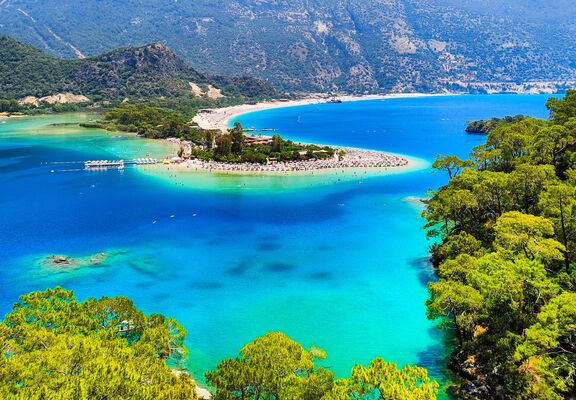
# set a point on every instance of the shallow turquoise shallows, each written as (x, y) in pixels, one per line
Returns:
(341, 265)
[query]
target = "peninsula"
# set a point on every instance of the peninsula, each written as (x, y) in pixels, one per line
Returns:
(236, 150)
(343, 158)
(155, 94)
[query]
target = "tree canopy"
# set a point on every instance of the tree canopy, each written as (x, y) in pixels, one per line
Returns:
(382, 380)
(274, 367)
(143, 73)
(53, 346)
(506, 224)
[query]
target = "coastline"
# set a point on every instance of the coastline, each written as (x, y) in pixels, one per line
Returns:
(371, 162)
(6, 116)
(219, 118)
(353, 159)
(355, 162)
(269, 182)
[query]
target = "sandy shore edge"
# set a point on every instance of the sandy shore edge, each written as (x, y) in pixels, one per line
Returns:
(6, 116)
(355, 159)
(377, 162)
(219, 118)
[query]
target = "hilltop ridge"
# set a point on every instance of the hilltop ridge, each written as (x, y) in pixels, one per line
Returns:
(326, 45)
(150, 71)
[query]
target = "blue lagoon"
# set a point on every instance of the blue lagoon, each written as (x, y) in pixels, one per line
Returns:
(337, 263)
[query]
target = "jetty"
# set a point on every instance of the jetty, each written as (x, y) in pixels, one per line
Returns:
(98, 165)
(118, 164)
(103, 164)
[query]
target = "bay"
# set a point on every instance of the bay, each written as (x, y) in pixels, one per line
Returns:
(337, 263)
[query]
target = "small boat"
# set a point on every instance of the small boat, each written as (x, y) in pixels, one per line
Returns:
(334, 101)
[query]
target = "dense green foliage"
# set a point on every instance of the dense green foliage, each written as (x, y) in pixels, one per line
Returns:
(144, 73)
(159, 122)
(271, 367)
(485, 126)
(52, 346)
(55, 347)
(232, 148)
(507, 257)
(151, 122)
(27, 71)
(11, 107)
(274, 367)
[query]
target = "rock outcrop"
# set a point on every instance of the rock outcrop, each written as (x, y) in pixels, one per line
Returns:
(58, 98)
(63, 263)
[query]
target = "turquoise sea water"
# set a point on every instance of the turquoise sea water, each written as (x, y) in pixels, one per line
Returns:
(340, 265)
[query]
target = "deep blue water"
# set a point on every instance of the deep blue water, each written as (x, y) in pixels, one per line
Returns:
(342, 266)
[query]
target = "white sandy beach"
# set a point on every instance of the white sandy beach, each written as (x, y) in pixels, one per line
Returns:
(219, 118)
(234, 177)
(354, 158)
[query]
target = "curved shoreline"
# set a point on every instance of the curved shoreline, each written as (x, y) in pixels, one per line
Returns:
(377, 162)
(353, 159)
(219, 118)
(256, 182)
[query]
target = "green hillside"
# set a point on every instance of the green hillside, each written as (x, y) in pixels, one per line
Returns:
(147, 72)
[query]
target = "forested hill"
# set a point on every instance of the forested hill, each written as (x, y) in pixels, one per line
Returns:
(507, 258)
(151, 71)
(354, 45)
